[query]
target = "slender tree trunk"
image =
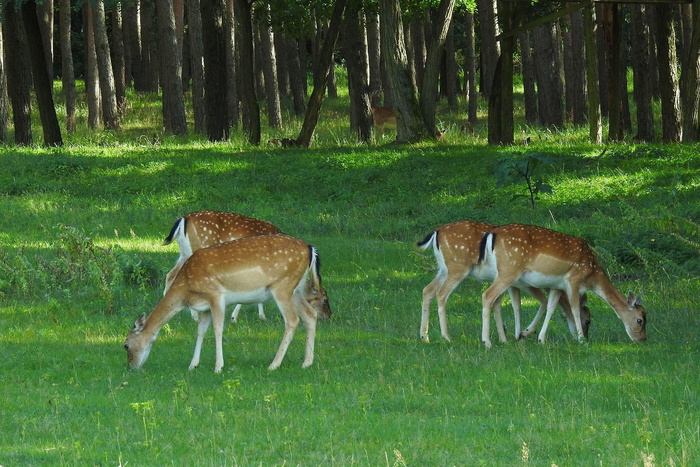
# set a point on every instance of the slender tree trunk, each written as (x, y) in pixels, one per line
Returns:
(110, 114)
(4, 99)
(575, 81)
(92, 79)
(118, 57)
(452, 81)
(321, 76)
(612, 20)
(45, 15)
(194, 33)
(251, 110)
(132, 43)
(297, 76)
(690, 91)
(43, 83)
(283, 56)
(640, 67)
(149, 47)
(19, 75)
(173, 107)
(470, 70)
(355, 52)
(529, 79)
(668, 75)
(374, 56)
(429, 91)
(234, 69)
(595, 125)
(274, 108)
(548, 71)
(67, 71)
(490, 50)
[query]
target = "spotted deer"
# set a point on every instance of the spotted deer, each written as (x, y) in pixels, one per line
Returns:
(383, 117)
(544, 258)
(203, 229)
(248, 270)
(456, 250)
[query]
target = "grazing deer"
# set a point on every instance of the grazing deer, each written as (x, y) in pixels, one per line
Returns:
(383, 116)
(543, 258)
(456, 249)
(248, 270)
(203, 229)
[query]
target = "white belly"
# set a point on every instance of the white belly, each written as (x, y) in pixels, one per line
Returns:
(251, 296)
(543, 281)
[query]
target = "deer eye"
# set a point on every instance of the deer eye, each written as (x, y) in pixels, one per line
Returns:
(640, 322)
(126, 346)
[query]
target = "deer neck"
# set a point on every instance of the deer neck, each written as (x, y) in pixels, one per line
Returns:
(166, 309)
(607, 291)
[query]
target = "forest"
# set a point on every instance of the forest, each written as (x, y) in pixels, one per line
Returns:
(623, 69)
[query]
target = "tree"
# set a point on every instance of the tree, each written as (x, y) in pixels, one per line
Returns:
(321, 72)
(668, 75)
(67, 73)
(410, 126)
(690, 91)
(529, 79)
(357, 62)
(269, 63)
(4, 103)
(110, 112)
(429, 90)
(173, 107)
(548, 69)
(194, 34)
(92, 80)
(470, 69)
(19, 77)
(119, 56)
(490, 50)
(640, 67)
(249, 102)
(43, 83)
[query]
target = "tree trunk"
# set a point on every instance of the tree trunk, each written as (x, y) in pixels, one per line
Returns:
(690, 91)
(4, 100)
(451, 80)
(612, 22)
(668, 75)
(470, 70)
(490, 50)
(355, 52)
(251, 110)
(429, 91)
(67, 71)
(548, 72)
(233, 101)
(19, 75)
(595, 126)
(274, 109)
(118, 58)
(321, 76)
(640, 67)
(297, 76)
(132, 43)
(173, 106)
(282, 53)
(374, 57)
(149, 47)
(45, 15)
(43, 83)
(410, 126)
(110, 114)
(92, 80)
(574, 56)
(529, 79)
(194, 33)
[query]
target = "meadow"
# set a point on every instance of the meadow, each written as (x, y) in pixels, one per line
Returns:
(81, 257)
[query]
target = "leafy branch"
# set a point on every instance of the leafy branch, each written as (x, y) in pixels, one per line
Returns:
(523, 167)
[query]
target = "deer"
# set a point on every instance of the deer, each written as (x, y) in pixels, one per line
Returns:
(567, 265)
(383, 116)
(248, 270)
(203, 229)
(456, 249)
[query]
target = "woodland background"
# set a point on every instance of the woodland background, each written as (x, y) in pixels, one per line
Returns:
(239, 64)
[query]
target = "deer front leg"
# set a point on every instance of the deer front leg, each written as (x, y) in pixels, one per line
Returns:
(542, 298)
(489, 298)
(514, 293)
(428, 295)
(552, 303)
(261, 312)
(291, 321)
(308, 316)
(218, 310)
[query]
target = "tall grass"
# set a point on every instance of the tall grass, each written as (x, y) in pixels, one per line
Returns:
(81, 258)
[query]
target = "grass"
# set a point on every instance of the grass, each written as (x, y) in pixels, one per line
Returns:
(81, 258)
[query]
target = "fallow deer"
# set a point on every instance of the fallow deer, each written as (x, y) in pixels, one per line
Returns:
(383, 117)
(203, 229)
(248, 270)
(544, 258)
(456, 249)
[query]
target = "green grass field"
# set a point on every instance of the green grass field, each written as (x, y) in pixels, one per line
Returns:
(81, 258)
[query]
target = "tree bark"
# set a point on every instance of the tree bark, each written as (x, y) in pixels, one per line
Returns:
(19, 75)
(490, 50)
(110, 114)
(67, 71)
(132, 43)
(194, 33)
(410, 126)
(43, 83)
(249, 102)
(668, 75)
(355, 52)
(269, 63)
(548, 72)
(595, 126)
(4, 100)
(173, 107)
(470, 70)
(297, 76)
(374, 57)
(690, 91)
(233, 100)
(119, 59)
(321, 76)
(45, 15)
(640, 67)
(92, 79)
(429, 91)
(574, 56)
(529, 79)
(149, 48)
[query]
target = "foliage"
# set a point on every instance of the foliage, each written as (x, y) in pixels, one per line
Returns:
(522, 167)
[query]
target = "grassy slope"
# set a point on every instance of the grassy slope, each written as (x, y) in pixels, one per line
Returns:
(376, 394)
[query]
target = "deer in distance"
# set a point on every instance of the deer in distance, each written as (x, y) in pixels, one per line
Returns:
(202, 229)
(249, 270)
(544, 258)
(456, 249)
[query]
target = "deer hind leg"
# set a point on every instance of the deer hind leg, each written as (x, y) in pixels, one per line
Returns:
(286, 305)
(218, 309)
(514, 293)
(428, 295)
(236, 311)
(552, 303)
(261, 312)
(202, 328)
(489, 299)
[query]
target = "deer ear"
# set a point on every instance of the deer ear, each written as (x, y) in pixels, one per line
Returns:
(139, 324)
(633, 301)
